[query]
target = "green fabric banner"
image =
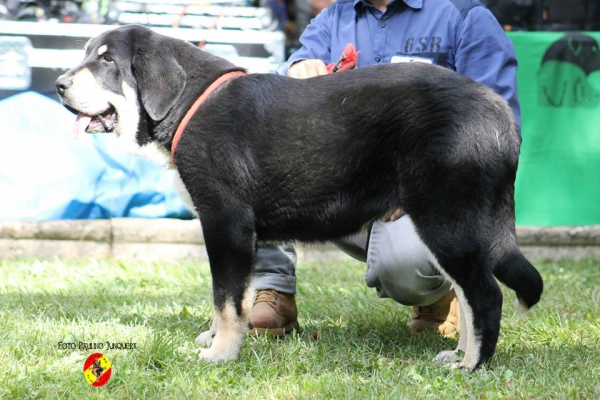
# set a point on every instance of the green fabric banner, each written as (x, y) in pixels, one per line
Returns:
(558, 182)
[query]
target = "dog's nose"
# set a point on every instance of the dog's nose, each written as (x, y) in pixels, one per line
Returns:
(62, 84)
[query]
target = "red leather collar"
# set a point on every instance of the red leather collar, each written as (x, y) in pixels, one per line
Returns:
(197, 104)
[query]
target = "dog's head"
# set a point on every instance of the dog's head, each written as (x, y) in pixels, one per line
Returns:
(128, 75)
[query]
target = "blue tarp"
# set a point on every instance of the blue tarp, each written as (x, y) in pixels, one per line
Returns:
(46, 174)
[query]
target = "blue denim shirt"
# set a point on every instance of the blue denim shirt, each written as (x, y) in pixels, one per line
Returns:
(461, 35)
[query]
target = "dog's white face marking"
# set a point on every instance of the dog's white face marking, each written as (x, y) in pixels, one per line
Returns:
(102, 49)
(87, 95)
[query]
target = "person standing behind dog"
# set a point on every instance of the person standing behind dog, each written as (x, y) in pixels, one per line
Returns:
(458, 34)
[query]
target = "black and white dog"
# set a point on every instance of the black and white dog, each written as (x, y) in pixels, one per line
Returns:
(269, 158)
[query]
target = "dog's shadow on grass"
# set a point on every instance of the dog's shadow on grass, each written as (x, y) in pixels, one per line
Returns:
(166, 311)
(360, 349)
(353, 341)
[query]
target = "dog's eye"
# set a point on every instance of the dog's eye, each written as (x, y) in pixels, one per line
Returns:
(107, 58)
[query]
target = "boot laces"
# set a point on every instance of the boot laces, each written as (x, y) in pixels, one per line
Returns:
(266, 296)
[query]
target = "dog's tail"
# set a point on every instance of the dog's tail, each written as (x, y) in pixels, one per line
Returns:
(509, 265)
(516, 272)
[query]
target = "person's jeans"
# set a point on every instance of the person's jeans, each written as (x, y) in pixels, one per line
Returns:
(275, 267)
(398, 264)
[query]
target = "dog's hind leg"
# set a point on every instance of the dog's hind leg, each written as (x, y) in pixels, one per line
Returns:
(229, 239)
(459, 250)
(454, 357)
(480, 300)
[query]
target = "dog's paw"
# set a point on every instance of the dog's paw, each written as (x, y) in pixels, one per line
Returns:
(205, 338)
(448, 357)
(214, 357)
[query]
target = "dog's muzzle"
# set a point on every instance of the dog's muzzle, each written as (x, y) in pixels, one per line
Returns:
(102, 122)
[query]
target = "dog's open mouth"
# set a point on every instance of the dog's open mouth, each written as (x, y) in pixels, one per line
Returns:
(103, 122)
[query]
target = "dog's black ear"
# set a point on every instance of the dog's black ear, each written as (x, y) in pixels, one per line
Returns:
(161, 80)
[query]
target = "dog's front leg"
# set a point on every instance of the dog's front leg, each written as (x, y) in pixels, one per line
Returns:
(229, 242)
(206, 338)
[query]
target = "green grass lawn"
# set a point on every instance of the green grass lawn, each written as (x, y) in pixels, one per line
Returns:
(353, 345)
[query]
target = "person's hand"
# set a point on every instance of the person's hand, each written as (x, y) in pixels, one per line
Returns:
(307, 69)
(394, 216)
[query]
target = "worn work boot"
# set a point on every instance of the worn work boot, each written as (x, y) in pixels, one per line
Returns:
(442, 316)
(273, 313)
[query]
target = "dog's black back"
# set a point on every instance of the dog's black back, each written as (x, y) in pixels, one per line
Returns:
(346, 148)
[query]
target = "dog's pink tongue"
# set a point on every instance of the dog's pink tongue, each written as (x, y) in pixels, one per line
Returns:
(81, 123)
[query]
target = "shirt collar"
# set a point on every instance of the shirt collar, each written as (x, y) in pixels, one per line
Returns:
(415, 4)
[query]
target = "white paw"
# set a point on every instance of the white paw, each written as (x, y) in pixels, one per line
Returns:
(205, 338)
(214, 357)
(448, 357)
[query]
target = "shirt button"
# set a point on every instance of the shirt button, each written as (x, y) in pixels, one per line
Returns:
(382, 24)
(378, 58)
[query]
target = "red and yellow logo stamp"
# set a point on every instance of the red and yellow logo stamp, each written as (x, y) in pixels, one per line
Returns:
(97, 369)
